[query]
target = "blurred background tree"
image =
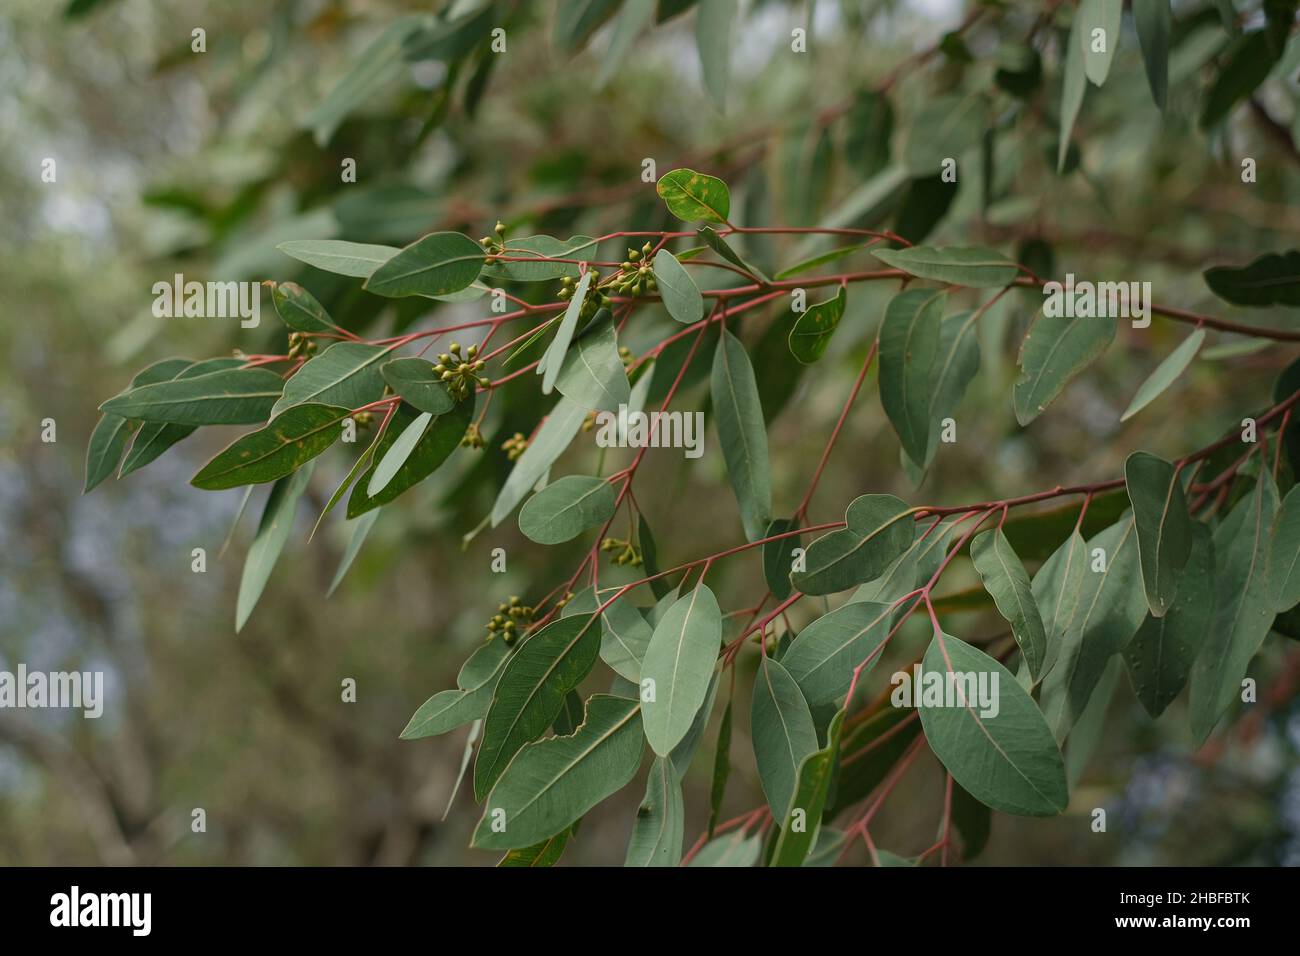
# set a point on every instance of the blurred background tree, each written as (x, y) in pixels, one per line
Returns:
(171, 160)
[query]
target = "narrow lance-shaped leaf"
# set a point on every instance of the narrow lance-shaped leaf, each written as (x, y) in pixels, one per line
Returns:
(242, 396)
(783, 732)
(1242, 614)
(531, 691)
(813, 782)
(345, 374)
(397, 453)
(1154, 22)
(660, 824)
(299, 308)
(909, 348)
(1073, 87)
(957, 363)
(1100, 20)
(278, 449)
(545, 249)
(549, 367)
(678, 665)
(624, 636)
(592, 373)
(1005, 579)
(436, 264)
(1160, 656)
(355, 259)
(1284, 555)
(449, 709)
(988, 732)
(272, 533)
(1165, 374)
(743, 433)
(551, 783)
(1164, 528)
(554, 435)
(714, 42)
(566, 508)
(971, 266)
(112, 432)
(154, 438)
(436, 444)
(778, 557)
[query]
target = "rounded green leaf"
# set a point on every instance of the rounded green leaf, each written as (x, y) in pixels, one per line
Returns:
(997, 746)
(681, 295)
(695, 197)
(677, 667)
(566, 508)
(415, 380)
(821, 659)
(437, 264)
(783, 732)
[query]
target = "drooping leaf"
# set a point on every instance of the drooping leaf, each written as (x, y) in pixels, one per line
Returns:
(272, 533)
(957, 363)
(694, 197)
(972, 820)
(1055, 350)
(345, 374)
(154, 438)
(1100, 21)
(1154, 22)
(822, 657)
(660, 822)
(539, 675)
(783, 733)
(1165, 374)
(545, 853)
(551, 783)
(415, 380)
(1242, 615)
(360, 531)
(437, 441)
(1073, 86)
(1272, 279)
(743, 433)
(813, 782)
(278, 449)
(113, 432)
(679, 661)
(778, 557)
(725, 250)
(1000, 749)
(355, 259)
(1107, 610)
(241, 396)
(684, 752)
(1005, 579)
(909, 350)
(437, 264)
(681, 295)
(1164, 528)
(566, 508)
(1160, 656)
(721, 767)
(397, 453)
(549, 367)
(592, 373)
(1247, 63)
(972, 266)
(714, 42)
(632, 19)
(1284, 555)
(813, 329)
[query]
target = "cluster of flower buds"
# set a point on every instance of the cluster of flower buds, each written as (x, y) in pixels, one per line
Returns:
(627, 552)
(460, 373)
(494, 245)
(511, 620)
(473, 438)
(363, 419)
(559, 605)
(301, 345)
(636, 276)
(596, 298)
(514, 445)
(628, 358)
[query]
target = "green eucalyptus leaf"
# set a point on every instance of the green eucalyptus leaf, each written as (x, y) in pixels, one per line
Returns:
(437, 264)
(566, 508)
(1005, 579)
(660, 825)
(1164, 528)
(783, 733)
(972, 266)
(355, 259)
(1056, 349)
(909, 352)
(272, 533)
(1166, 373)
(275, 450)
(813, 329)
(743, 433)
(821, 659)
(241, 396)
(681, 295)
(679, 660)
(1284, 555)
(345, 374)
(415, 380)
